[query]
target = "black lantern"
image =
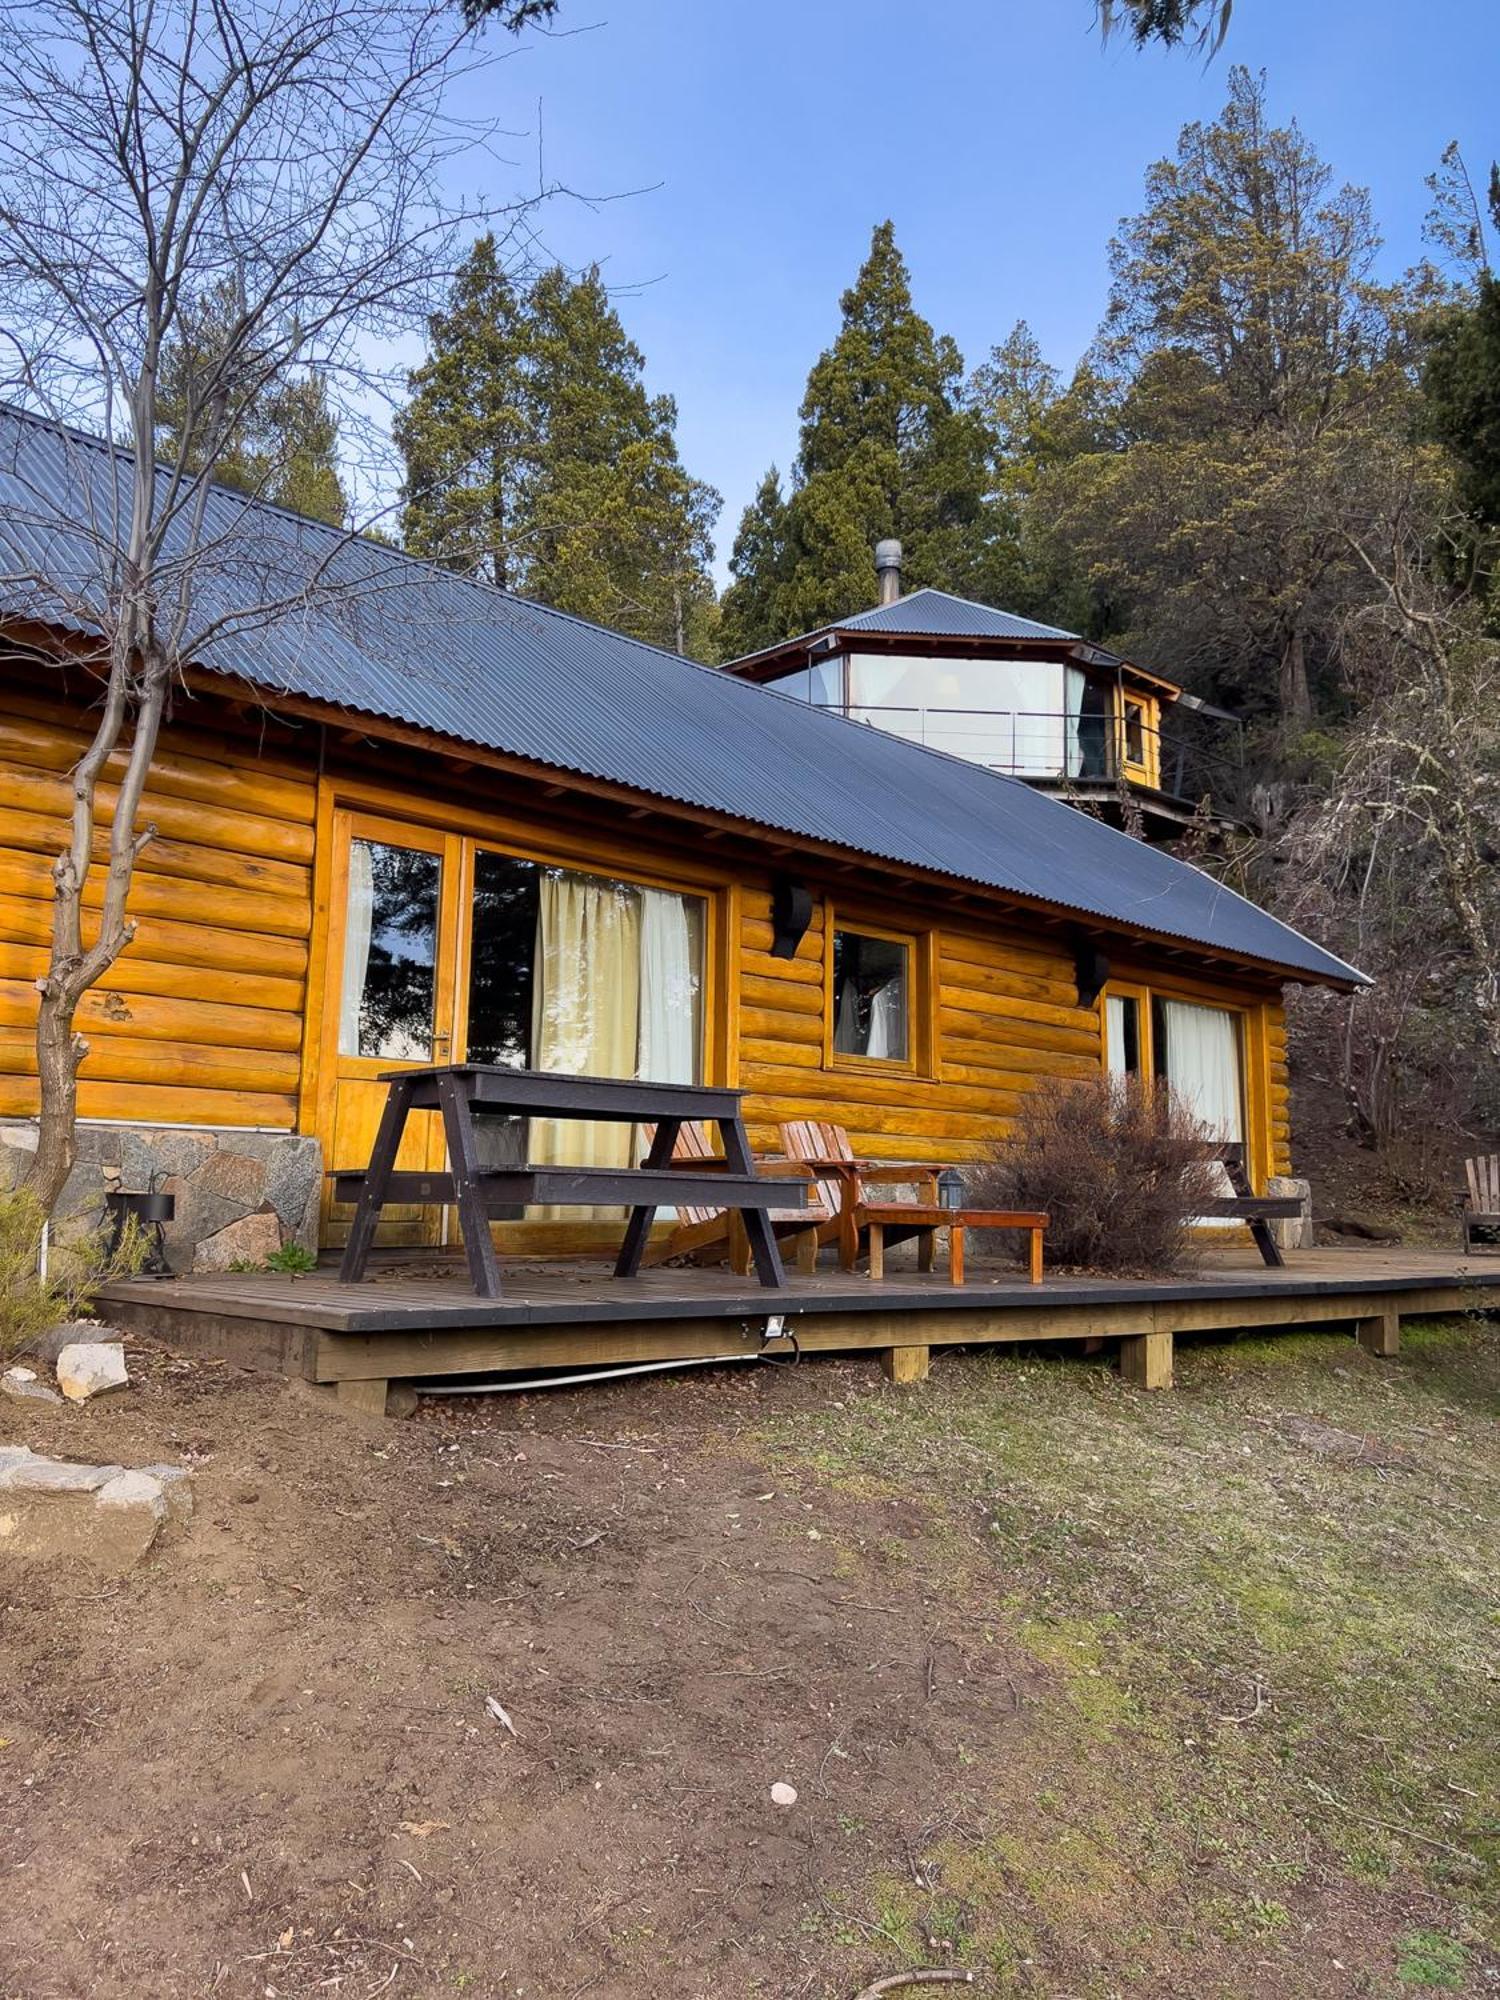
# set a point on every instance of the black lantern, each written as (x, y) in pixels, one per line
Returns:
(150, 1211)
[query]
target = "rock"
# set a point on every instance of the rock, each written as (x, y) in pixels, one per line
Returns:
(128, 1514)
(233, 1176)
(22, 1384)
(35, 1474)
(248, 1241)
(1292, 1232)
(91, 1368)
(401, 1400)
(176, 1483)
(783, 1795)
(48, 1346)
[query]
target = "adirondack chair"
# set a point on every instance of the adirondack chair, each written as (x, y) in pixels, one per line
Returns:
(710, 1235)
(821, 1145)
(1482, 1209)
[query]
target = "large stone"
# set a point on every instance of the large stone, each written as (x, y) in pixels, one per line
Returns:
(294, 1184)
(91, 1368)
(22, 1385)
(128, 1515)
(49, 1345)
(1292, 1232)
(248, 1241)
(35, 1474)
(234, 1175)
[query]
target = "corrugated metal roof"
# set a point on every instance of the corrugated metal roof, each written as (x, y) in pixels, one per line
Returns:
(366, 629)
(937, 614)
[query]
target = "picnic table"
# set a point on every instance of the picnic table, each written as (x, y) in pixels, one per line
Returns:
(464, 1093)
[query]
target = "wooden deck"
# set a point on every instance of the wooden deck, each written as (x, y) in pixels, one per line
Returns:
(420, 1318)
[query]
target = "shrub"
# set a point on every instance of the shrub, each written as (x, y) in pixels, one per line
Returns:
(1116, 1162)
(30, 1304)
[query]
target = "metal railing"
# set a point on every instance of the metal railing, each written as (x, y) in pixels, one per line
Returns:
(1045, 744)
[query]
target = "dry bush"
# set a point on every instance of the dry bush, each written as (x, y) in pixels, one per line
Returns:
(1116, 1162)
(30, 1304)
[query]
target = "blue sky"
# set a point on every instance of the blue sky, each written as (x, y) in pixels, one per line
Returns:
(770, 135)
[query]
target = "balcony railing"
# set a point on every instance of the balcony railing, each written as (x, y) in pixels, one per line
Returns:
(1036, 743)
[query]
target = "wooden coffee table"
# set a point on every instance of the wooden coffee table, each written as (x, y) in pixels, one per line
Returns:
(904, 1219)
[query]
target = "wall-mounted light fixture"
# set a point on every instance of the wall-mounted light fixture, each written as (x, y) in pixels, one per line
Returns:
(791, 913)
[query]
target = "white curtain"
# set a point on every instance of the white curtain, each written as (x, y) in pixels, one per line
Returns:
(888, 1022)
(585, 1006)
(359, 912)
(668, 1046)
(1073, 685)
(1203, 1065)
(1114, 1025)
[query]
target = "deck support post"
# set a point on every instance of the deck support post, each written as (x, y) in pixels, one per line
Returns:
(1146, 1360)
(1380, 1333)
(363, 1395)
(905, 1364)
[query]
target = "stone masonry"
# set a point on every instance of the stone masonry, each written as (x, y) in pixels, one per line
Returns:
(239, 1194)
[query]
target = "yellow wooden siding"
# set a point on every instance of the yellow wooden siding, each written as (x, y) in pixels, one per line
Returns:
(212, 1015)
(200, 1021)
(1006, 1014)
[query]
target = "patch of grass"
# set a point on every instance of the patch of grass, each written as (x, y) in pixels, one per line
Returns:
(1431, 1959)
(1268, 1602)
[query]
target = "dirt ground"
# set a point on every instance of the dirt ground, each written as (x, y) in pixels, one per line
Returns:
(263, 1764)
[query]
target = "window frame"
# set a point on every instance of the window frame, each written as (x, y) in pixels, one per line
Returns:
(917, 945)
(1249, 1018)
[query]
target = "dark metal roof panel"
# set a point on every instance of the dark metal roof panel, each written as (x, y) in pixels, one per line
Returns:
(936, 614)
(357, 625)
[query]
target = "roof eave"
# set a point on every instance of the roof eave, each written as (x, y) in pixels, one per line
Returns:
(963, 888)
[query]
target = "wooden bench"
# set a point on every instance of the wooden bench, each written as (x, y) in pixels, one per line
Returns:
(1258, 1212)
(1482, 1209)
(895, 1221)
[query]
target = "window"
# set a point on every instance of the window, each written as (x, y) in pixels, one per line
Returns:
(1135, 731)
(871, 997)
(1020, 716)
(390, 952)
(1197, 1049)
(582, 973)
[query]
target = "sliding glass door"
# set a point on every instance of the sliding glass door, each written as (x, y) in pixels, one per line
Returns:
(447, 949)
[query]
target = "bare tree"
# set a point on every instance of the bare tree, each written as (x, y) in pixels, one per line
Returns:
(1399, 856)
(279, 171)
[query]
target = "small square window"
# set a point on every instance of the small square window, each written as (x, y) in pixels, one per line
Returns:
(871, 997)
(1135, 733)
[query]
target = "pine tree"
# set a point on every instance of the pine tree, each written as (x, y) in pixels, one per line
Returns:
(1256, 398)
(758, 564)
(614, 527)
(887, 447)
(467, 434)
(536, 458)
(283, 434)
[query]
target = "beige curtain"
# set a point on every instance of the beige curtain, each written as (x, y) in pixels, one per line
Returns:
(585, 1013)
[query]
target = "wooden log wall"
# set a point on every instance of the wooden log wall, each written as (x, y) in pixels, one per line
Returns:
(200, 1021)
(1006, 1013)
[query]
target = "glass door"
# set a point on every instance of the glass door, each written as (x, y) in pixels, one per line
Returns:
(393, 957)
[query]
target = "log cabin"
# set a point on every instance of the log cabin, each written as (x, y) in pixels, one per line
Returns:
(408, 818)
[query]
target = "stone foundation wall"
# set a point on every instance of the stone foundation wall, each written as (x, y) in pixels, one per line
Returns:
(239, 1195)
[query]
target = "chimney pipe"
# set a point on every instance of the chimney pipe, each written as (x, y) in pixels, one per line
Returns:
(888, 569)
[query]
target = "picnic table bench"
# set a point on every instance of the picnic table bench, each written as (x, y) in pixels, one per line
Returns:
(464, 1092)
(1258, 1212)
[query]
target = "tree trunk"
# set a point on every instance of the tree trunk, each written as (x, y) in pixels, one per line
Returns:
(72, 968)
(1295, 694)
